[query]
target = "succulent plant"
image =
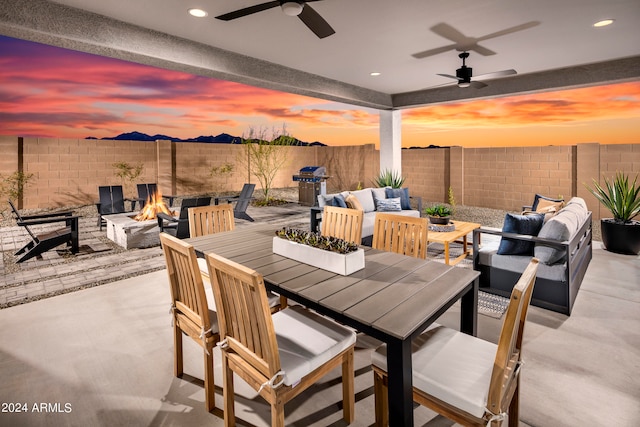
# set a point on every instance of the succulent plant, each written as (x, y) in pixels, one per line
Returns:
(438, 210)
(316, 240)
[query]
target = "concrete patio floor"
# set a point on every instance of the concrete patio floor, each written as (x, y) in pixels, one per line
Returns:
(103, 355)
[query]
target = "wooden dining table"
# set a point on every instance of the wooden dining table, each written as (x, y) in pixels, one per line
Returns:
(393, 298)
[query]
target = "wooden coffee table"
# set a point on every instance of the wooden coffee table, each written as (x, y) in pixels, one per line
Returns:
(446, 237)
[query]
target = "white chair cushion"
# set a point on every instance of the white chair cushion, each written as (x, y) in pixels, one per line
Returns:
(451, 366)
(307, 341)
(204, 270)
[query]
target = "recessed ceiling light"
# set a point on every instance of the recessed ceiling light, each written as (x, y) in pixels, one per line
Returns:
(375, 73)
(604, 23)
(198, 13)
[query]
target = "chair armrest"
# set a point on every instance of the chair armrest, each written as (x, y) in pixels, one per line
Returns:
(524, 237)
(527, 208)
(165, 217)
(37, 221)
(48, 215)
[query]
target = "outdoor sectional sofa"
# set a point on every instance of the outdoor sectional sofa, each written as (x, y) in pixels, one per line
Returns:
(371, 200)
(563, 245)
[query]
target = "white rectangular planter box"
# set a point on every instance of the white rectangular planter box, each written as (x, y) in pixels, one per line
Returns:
(344, 264)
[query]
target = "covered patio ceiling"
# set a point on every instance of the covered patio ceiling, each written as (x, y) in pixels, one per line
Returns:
(550, 44)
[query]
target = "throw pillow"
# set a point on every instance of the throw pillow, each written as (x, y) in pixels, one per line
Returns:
(338, 201)
(519, 224)
(365, 197)
(353, 202)
(389, 205)
(539, 197)
(403, 193)
(548, 206)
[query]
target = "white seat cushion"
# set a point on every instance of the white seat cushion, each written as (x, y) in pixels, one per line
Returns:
(273, 299)
(451, 366)
(307, 341)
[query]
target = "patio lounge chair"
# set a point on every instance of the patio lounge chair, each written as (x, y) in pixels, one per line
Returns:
(242, 201)
(43, 242)
(179, 227)
(111, 202)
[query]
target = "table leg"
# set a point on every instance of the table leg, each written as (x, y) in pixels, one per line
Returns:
(469, 310)
(400, 394)
(446, 253)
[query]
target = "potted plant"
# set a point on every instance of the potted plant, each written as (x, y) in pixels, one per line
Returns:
(438, 214)
(620, 234)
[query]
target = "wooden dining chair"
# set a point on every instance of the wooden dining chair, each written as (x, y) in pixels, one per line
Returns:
(212, 219)
(400, 234)
(191, 313)
(279, 355)
(342, 223)
(466, 379)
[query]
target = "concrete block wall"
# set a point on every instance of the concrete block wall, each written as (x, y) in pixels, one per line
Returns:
(67, 172)
(427, 173)
(508, 177)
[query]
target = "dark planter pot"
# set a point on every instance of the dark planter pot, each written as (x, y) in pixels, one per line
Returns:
(439, 220)
(621, 238)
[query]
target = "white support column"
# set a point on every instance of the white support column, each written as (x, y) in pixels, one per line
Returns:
(391, 141)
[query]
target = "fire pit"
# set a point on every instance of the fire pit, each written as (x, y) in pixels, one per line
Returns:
(141, 230)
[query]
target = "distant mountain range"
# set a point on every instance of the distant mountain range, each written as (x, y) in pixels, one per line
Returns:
(223, 138)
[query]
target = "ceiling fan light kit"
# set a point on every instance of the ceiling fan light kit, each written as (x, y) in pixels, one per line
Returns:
(292, 8)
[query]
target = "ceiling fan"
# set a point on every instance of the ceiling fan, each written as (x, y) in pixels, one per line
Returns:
(463, 43)
(299, 8)
(464, 74)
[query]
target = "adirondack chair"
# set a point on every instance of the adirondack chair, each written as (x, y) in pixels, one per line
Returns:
(144, 191)
(179, 227)
(43, 242)
(111, 202)
(242, 202)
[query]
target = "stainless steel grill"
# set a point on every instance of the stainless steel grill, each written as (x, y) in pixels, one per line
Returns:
(311, 182)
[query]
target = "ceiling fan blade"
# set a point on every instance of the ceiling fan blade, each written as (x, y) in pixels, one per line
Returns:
(481, 50)
(315, 22)
(449, 76)
(477, 85)
(496, 74)
(509, 30)
(432, 52)
(448, 32)
(248, 10)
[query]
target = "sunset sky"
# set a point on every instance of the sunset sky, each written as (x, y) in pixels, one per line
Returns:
(52, 92)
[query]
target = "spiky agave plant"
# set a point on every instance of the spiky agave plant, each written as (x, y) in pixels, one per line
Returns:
(619, 195)
(389, 178)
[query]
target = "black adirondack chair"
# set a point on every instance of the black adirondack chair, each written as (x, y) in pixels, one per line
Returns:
(43, 242)
(144, 192)
(242, 202)
(111, 202)
(179, 227)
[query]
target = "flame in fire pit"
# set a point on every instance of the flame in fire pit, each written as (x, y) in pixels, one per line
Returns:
(153, 205)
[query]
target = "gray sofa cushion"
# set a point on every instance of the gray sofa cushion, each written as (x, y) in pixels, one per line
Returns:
(561, 227)
(365, 197)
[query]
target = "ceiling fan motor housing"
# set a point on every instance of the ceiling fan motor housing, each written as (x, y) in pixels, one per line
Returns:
(464, 73)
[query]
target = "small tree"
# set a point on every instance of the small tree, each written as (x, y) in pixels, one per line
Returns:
(128, 173)
(218, 173)
(13, 186)
(264, 156)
